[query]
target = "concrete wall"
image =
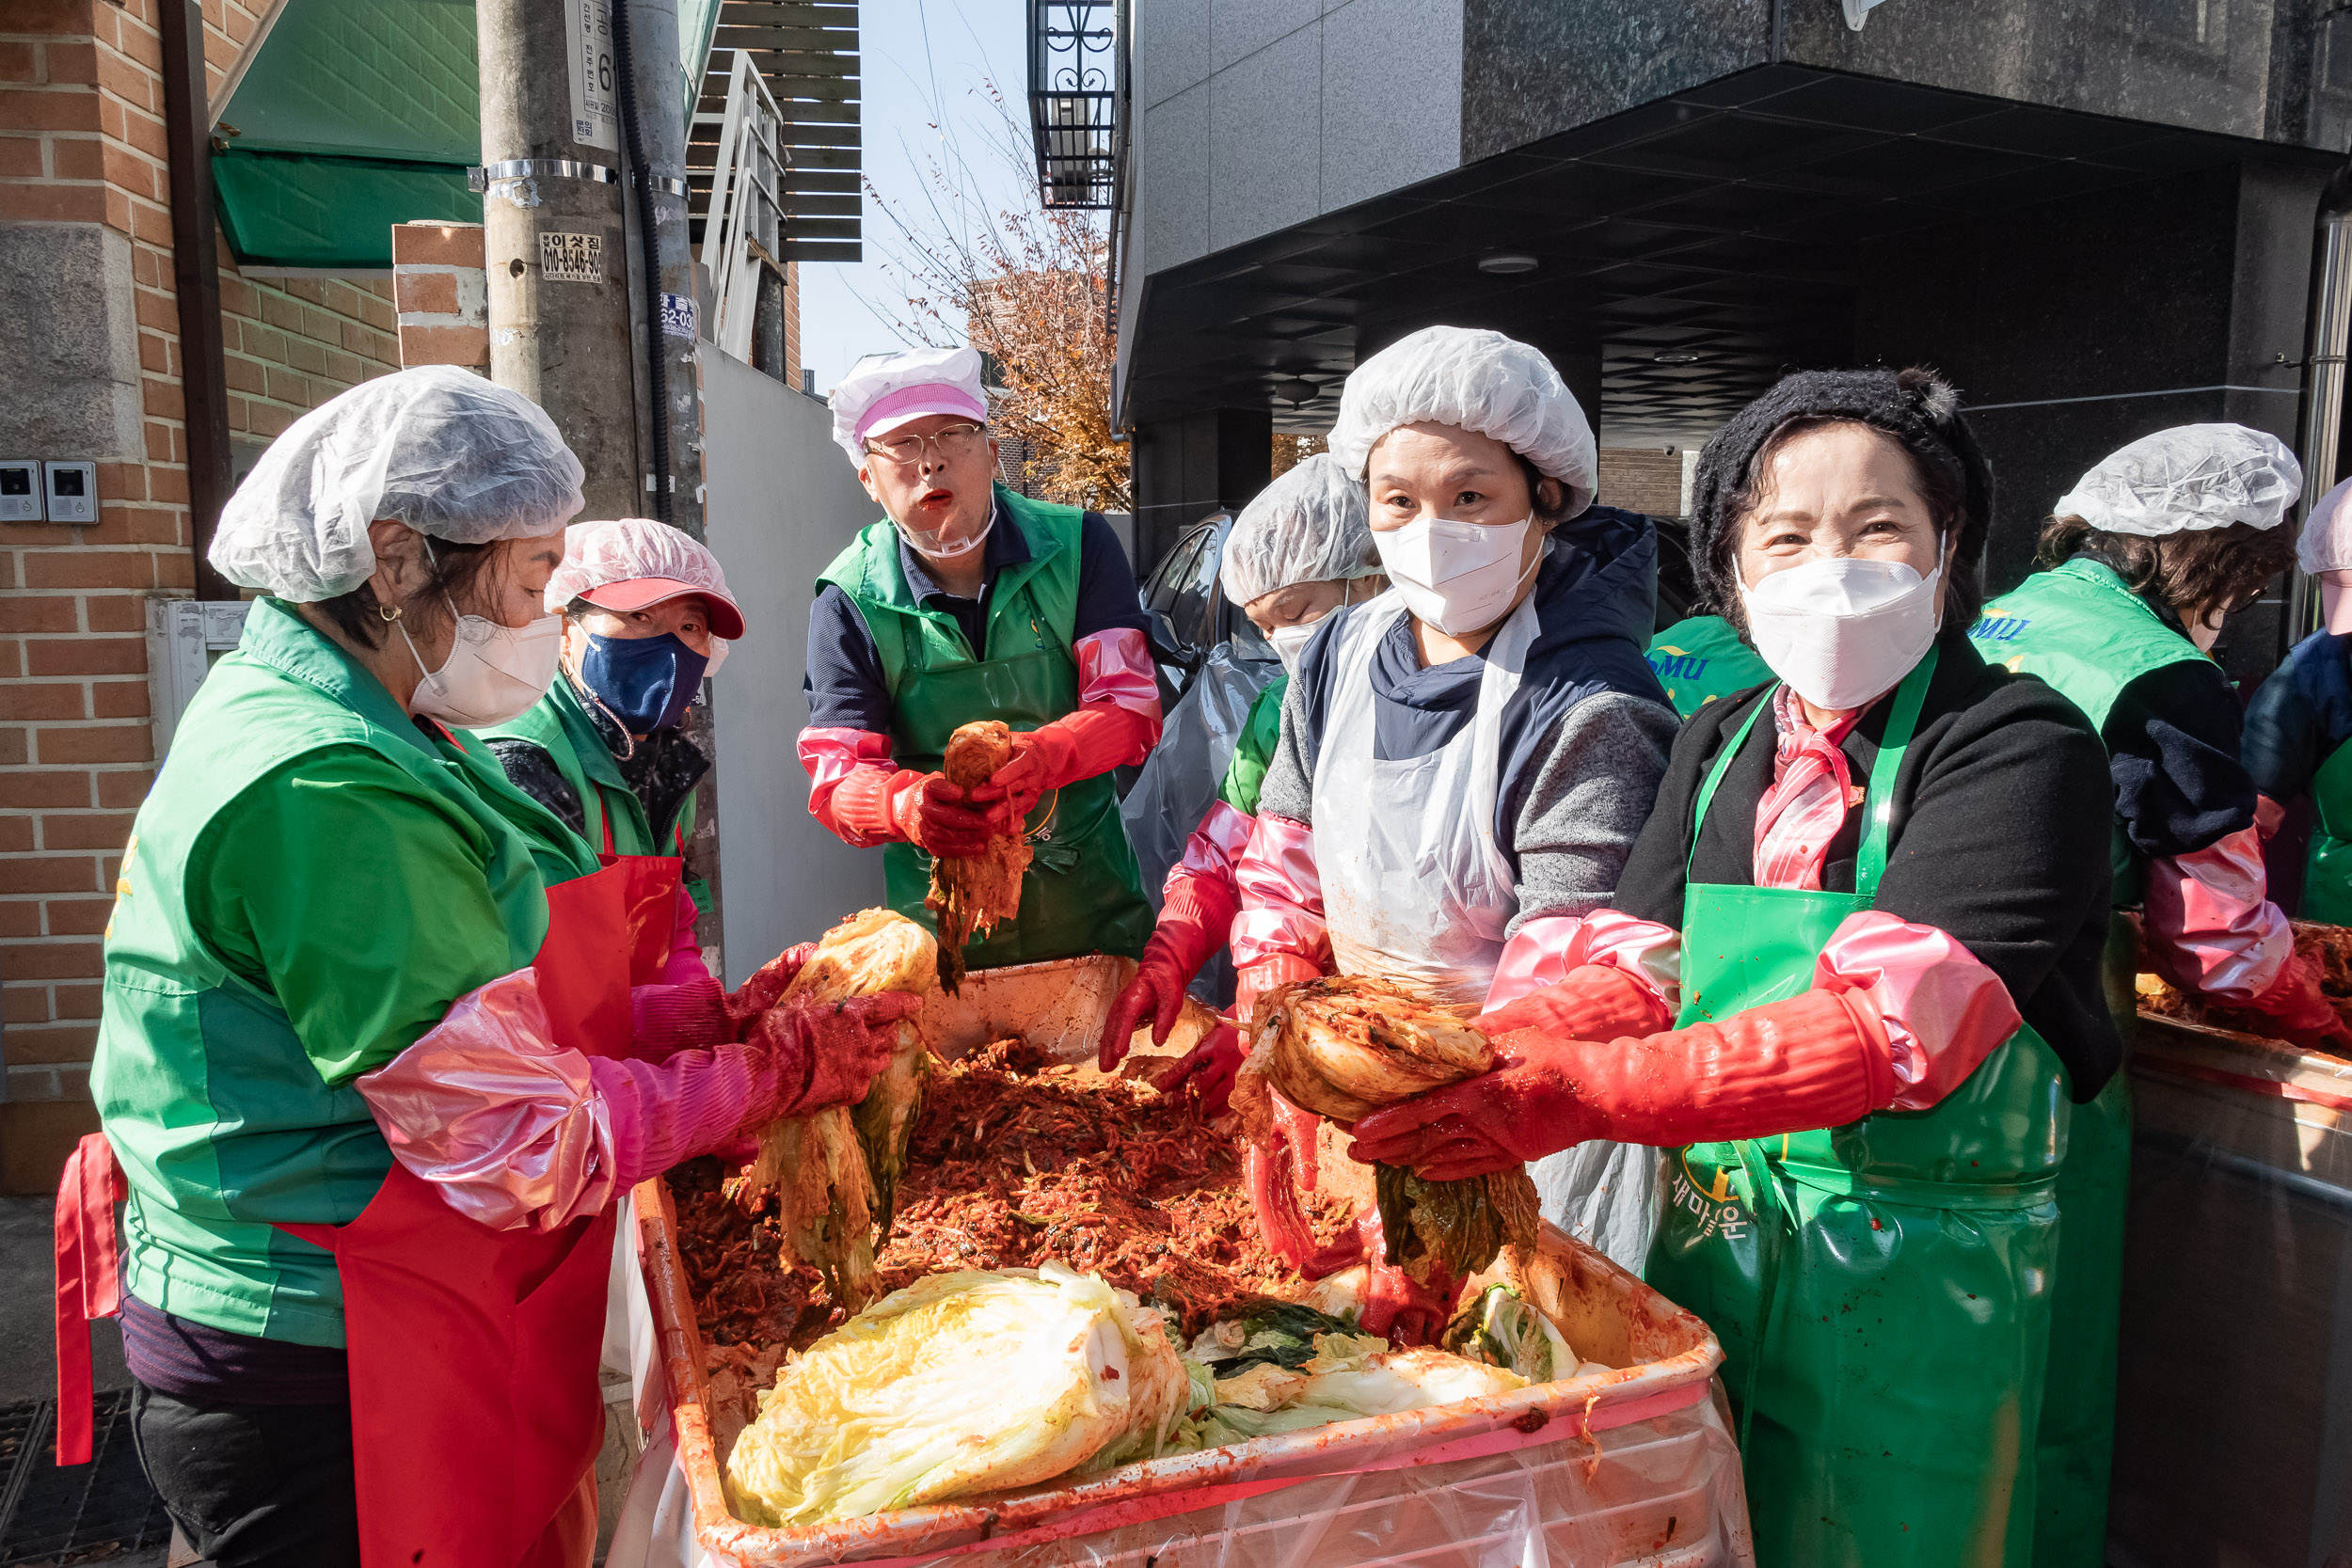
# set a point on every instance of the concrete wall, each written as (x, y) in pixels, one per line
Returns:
(782, 503)
(1254, 115)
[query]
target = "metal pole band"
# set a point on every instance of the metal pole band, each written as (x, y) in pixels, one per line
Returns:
(673, 188)
(479, 179)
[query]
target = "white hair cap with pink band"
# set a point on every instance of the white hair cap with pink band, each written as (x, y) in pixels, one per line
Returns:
(630, 563)
(883, 392)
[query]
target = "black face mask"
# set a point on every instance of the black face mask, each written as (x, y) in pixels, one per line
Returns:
(646, 682)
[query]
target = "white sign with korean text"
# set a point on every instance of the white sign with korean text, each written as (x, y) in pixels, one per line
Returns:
(588, 31)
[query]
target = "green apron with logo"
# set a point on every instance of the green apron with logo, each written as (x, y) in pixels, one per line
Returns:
(1083, 892)
(2078, 627)
(2328, 873)
(614, 818)
(1881, 1288)
(1702, 659)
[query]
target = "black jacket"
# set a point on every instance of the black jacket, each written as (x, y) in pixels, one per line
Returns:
(1999, 837)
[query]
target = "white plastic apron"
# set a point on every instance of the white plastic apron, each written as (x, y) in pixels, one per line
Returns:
(1417, 892)
(1415, 889)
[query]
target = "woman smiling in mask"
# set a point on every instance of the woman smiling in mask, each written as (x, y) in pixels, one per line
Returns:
(1464, 762)
(647, 615)
(1851, 974)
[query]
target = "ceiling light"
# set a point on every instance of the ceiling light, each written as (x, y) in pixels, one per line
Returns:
(1507, 262)
(1674, 356)
(1296, 390)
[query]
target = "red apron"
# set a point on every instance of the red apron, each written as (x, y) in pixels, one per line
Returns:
(476, 1408)
(476, 1414)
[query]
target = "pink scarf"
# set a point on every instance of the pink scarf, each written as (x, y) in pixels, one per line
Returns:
(1810, 794)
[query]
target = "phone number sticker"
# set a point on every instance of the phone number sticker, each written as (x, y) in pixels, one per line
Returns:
(571, 258)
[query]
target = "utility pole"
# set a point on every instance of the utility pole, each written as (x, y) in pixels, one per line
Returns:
(553, 235)
(669, 314)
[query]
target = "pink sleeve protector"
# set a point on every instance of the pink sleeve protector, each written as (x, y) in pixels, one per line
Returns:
(1542, 952)
(854, 788)
(516, 1130)
(2211, 926)
(1115, 671)
(1942, 1010)
(1281, 896)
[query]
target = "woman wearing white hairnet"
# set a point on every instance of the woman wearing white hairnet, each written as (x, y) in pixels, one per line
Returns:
(2296, 726)
(365, 1012)
(2142, 562)
(1465, 761)
(647, 615)
(1297, 552)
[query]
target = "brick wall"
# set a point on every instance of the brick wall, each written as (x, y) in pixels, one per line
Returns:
(1641, 478)
(89, 333)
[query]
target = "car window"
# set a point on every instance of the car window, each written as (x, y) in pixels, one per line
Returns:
(1160, 587)
(1192, 594)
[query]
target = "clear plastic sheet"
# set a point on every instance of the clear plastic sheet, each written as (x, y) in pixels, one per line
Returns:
(1666, 1491)
(1182, 777)
(2233, 1406)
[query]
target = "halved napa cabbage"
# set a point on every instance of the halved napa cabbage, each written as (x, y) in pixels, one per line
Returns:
(959, 1384)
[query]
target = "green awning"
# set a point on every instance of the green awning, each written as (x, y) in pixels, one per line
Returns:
(350, 116)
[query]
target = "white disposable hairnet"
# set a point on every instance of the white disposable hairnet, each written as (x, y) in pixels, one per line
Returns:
(2186, 479)
(1476, 380)
(2327, 541)
(1311, 525)
(438, 448)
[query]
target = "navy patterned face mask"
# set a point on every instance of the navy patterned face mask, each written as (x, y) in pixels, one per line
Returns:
(645, 681)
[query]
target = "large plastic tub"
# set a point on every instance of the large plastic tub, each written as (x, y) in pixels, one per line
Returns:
(1630, 1465)
(2237, 1285)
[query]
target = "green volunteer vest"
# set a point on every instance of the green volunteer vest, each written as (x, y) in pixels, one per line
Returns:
(223, 1126)
(1253, 751)
(1881, 1288)
(2079, 628)
(1702, 659)
(2327, 869)
(1083, 892)
(560, 726)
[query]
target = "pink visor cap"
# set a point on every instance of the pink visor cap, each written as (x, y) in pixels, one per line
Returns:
(885, 392)
(627, 563)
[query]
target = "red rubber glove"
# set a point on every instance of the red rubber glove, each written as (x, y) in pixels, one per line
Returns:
(827, 1053)
(923, 809)
(765, 986)
(1405, 1310)
(1207, 1070)
(1593, 1002)
(1076, 745)
(1822, 1059)
(2296, 1006)
(1192, 924)
(662, 1019)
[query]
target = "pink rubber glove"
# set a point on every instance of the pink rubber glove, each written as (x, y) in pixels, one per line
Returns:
(662, 1019)
(1594, 1003)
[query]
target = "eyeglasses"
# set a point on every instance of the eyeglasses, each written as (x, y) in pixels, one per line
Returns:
(955, 441)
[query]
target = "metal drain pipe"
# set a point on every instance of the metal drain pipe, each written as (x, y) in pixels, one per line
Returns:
(2329, 328)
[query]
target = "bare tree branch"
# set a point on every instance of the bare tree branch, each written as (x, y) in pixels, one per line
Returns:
(1027, 287)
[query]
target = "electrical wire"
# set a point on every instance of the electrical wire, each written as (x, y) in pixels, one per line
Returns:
(657, 365)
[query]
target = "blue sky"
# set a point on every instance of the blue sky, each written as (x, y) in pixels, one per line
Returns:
(924, 63)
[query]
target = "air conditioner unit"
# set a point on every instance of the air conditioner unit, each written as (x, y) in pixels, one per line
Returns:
(185, 637)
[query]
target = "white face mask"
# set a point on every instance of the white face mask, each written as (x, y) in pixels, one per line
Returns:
(1291, 642)
(1840, 630)
(1456, 576)
(493, 672)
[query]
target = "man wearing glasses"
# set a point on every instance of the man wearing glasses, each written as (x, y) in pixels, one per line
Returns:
(970, 602)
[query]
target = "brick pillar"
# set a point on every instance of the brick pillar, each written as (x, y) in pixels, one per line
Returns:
(441, 289)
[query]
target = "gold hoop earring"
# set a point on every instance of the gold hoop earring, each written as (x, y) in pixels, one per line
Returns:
(388, 611)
